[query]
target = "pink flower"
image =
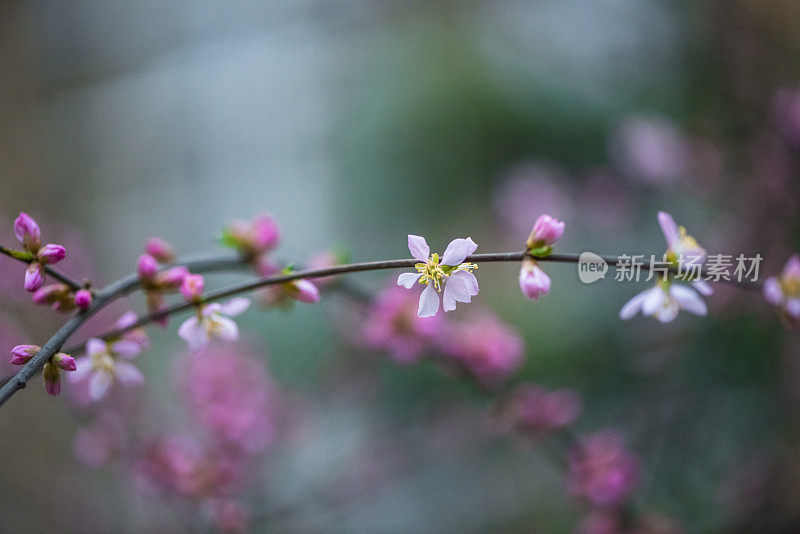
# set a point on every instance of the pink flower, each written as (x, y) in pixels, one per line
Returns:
(538, 411)
(231, 394)
(460, 285)
(105, 364)
(83, 298)
(392, 325)
(213, 321)
(487, 348)
(680, 246)
(171, 279)
(160, 250)
(651, 150)
(321, 260)
(21, 354)
(602, 470)
(301, 289)
(59, 296)
(146, 267)
(27, 232)
(533, 281)
(546, 231)
(192, 287)
(262, 235)
(784, 290)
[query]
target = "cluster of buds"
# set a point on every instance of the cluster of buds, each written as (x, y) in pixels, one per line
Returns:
(255, 240)
(22, 354)
(533, 281)
(29, 235)
(156, 281)
(62, 298)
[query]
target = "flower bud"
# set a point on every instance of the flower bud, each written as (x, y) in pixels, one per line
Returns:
(27, 232)
(533, 281)
(52, 378)
(546, 231)
(172, 278)
(50, 294)
(264, 234)
(64, 361)
(160, 250)
(83, 298)
(21, 354)
(51, 254)
(192, 287)
(146, 267)
(304, 291)
(34, 276)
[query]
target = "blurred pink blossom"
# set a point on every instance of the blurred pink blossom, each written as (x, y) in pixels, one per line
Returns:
(650, 149)
(602, 470)
(536, 411)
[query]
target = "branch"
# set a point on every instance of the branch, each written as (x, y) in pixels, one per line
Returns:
(131, 282)
(27, 259)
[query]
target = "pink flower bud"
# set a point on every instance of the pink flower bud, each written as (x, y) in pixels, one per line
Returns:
(304, 291)
(192, 287)
(27, 232)
(21, 354)
(264, 234)
(160, 250)
(83, 298)
(146, 267)
(50, 294)
(546, 231)
(34, 276)
(51, 254)
(64, 362)
(172, 278)
(533, 281)
(52, 378)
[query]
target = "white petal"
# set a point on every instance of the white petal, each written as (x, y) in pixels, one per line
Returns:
(668, 226)
(419, 247)
(83, 368)
(793, 308)
(668, 312)
(126, 319)
(428, 302)
(128, 374)
(225, 328)
(95, 346)
(772, 291)
(455, 290)
(407, 280)
(458, 250)
(126, 348)
(653, 300)
(703, 287)
(633, 306)
(469, 279)
(688, 299)
(235, 306)
(193, 333)
(99, 384)
(211, 309)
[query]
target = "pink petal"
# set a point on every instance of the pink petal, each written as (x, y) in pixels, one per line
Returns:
(633, 306)
(128, 374)
(126, 348)
(455, 290)
(772, 291)
(95, 346)
(99, 384)
(193, 333)
(469, 279)
(688, 299)
(457, 251)
(703, 287)
(235, 306)
(428, 302)
(419, 247)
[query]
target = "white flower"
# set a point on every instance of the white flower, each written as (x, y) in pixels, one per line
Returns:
(663, 302)
(213, 320)
(460, 285)
(105, 364)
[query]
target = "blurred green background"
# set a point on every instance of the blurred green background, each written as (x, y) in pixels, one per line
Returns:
(356, 123)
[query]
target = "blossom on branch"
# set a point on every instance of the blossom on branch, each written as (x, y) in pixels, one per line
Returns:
(28, 233)
(213, 321)
(460, 285)
(784, 290)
